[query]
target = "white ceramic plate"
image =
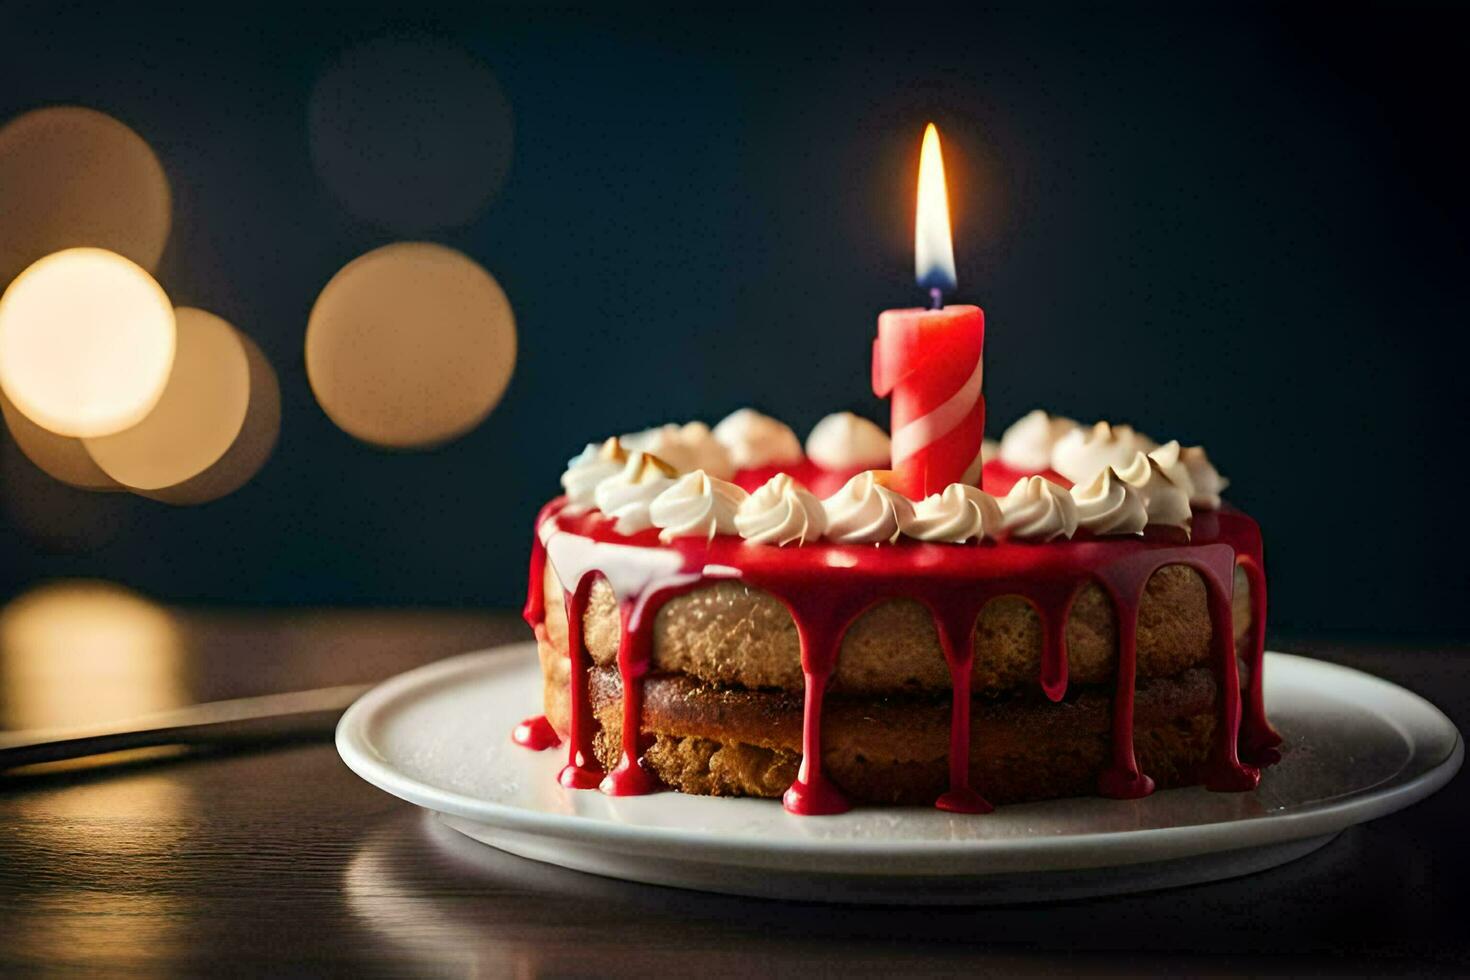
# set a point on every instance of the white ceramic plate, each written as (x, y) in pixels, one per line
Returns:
(1357, 747)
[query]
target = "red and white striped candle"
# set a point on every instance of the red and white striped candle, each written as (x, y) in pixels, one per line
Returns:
(931, 362)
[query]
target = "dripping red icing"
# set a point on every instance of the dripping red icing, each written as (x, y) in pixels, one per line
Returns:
(1259, 742)
(820, 630)
(954, 583)
(954, 618)
(630, 778)
(536, 734)
(582, 770)
(534, 612)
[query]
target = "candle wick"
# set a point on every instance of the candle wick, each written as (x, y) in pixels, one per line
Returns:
(936, 298)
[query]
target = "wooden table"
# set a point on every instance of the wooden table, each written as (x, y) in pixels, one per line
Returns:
(253, 861)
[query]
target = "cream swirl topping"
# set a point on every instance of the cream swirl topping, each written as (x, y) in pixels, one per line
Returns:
(1166, 502)
(864, 512)
(589, 468)
(957, 514)
(710, 455)
(626, 496)
(843, 441)
(1037, 509)
(1207, 481)
(781, 512)
(1168, 458)
(686, 448)
(696, 506)
(1109, 505)
(1082, 453)
(753, 440)
(1026, 446)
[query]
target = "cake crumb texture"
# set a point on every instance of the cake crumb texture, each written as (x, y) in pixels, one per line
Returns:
(732, 634)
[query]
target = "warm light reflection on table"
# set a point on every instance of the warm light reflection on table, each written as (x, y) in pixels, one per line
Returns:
(74, 653)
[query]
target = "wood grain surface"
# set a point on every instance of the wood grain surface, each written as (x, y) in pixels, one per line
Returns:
(280, 861)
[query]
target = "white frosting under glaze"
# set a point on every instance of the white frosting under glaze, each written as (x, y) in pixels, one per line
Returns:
(686, 448)
(781, 512)
(753, 440)
(1037, 509)
(1110, 505)
(1167, 502)
(1026, 446)
(1207, 481)
(1083, 453)
(586, 470)
(627, 496)
(844, 441)
(957, 514)
(696, 506)
(865, 512)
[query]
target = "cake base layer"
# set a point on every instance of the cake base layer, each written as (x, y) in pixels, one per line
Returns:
(717, 741)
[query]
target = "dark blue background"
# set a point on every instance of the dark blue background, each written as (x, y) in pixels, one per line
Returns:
(1241, 228)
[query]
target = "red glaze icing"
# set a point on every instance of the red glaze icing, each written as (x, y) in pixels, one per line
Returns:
(819, 627)
(582, 770)
(1259, 742)
(826, 587)
(953, 622)
(630, 778)
(536, 734)
(534, 612)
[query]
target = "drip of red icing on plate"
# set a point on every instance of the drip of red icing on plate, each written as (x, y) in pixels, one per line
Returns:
(536, 734)
(954, 582)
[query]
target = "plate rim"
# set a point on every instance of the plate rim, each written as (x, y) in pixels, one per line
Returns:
(1106, 847)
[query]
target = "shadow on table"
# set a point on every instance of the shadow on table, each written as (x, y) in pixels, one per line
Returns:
(439, 900)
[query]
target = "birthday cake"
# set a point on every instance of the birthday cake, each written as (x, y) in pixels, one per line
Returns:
(723, 612)
(900, 619)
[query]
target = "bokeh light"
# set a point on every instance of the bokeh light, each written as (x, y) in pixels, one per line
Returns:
(126, 650)
(410, 345)
(61, 457)
(197, 419)
(410, 133)
(86, 342)
(252, 446)
(72, 176)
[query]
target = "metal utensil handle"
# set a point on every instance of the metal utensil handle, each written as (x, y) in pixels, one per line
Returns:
(271, 717)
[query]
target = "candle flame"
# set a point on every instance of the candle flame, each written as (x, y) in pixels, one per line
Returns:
(933, 244)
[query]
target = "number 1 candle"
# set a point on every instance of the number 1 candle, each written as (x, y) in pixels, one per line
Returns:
(930, 362)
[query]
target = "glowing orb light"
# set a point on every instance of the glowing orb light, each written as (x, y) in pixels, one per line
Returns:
(410, 345)
(251, 448)
(72, 176)
(198, 417)
(86, 342)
